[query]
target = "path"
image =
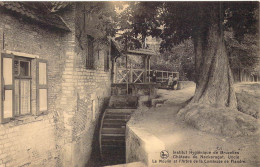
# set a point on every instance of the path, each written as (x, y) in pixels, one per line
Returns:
(177, 136)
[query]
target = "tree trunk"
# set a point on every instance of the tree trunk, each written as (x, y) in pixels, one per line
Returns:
(214, 82)
(213, 107)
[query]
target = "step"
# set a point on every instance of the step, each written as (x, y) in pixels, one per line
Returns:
(120, 117)
(113, 147)
(113, 154)
(109, 137)
(113, 131)
(123, 102)
(113, 143)
(107, 125)
(112, 151)
(114, 135)
(111, 159)
(118, 113)
(115, 121)
(127, 111)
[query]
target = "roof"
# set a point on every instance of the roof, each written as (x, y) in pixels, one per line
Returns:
(115, 45)
(56, 6)
(34, 12)
(141, 52)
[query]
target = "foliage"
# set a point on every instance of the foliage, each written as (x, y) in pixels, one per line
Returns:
(136, 22)
(180, 58)
(105, 18)
(184, 19)
(243, 54)
(176, 22)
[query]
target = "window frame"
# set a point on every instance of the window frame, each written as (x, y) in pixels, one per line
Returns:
(24, 59)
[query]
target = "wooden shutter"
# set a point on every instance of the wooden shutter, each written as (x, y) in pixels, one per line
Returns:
(7, 87)
(42, 87)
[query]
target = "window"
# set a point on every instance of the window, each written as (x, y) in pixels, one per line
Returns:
(22, 86)
(106, 62)
(19, 75)
(90, 53)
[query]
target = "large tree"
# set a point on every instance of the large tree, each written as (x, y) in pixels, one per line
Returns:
(214, 106)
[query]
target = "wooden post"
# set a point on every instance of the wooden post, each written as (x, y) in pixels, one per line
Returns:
(162, 76)
(2, 42)
(145, 69)
(115, 71)
(131, 73)
(149, 68)
(126, 75)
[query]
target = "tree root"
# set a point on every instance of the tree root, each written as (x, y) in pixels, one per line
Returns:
(222, 121)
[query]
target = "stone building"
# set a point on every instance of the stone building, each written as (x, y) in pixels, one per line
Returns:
(55, 79)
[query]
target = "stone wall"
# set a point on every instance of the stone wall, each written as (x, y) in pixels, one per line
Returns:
(141, 146)
(134, 89)
(63, 136)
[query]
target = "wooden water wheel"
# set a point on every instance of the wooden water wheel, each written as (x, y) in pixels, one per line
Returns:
(112, 131)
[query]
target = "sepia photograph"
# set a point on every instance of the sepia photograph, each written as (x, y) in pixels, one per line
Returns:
(129, 84)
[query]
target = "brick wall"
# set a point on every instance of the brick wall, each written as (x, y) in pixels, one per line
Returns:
(90, 88)
(63, 136)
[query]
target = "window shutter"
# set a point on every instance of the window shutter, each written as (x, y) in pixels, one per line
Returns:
(7, 87)
(41, 87)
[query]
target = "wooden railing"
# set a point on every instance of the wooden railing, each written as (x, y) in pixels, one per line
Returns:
(162, 76)
(130, 76)
(139, 76)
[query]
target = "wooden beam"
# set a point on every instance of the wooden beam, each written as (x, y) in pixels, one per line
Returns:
(21, 54)
(131, 73)
(149, 68)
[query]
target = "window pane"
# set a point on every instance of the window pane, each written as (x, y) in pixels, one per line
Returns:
(24, 68)
(7, 71)
(8, 104)
(42, 74)
(25, 96)
(43, 99)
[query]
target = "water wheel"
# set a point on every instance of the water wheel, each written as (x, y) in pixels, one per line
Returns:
(113, 127)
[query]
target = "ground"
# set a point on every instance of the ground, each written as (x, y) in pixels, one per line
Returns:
(162, 122)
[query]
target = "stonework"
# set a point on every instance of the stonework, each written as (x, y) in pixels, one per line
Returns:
(63, 136)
